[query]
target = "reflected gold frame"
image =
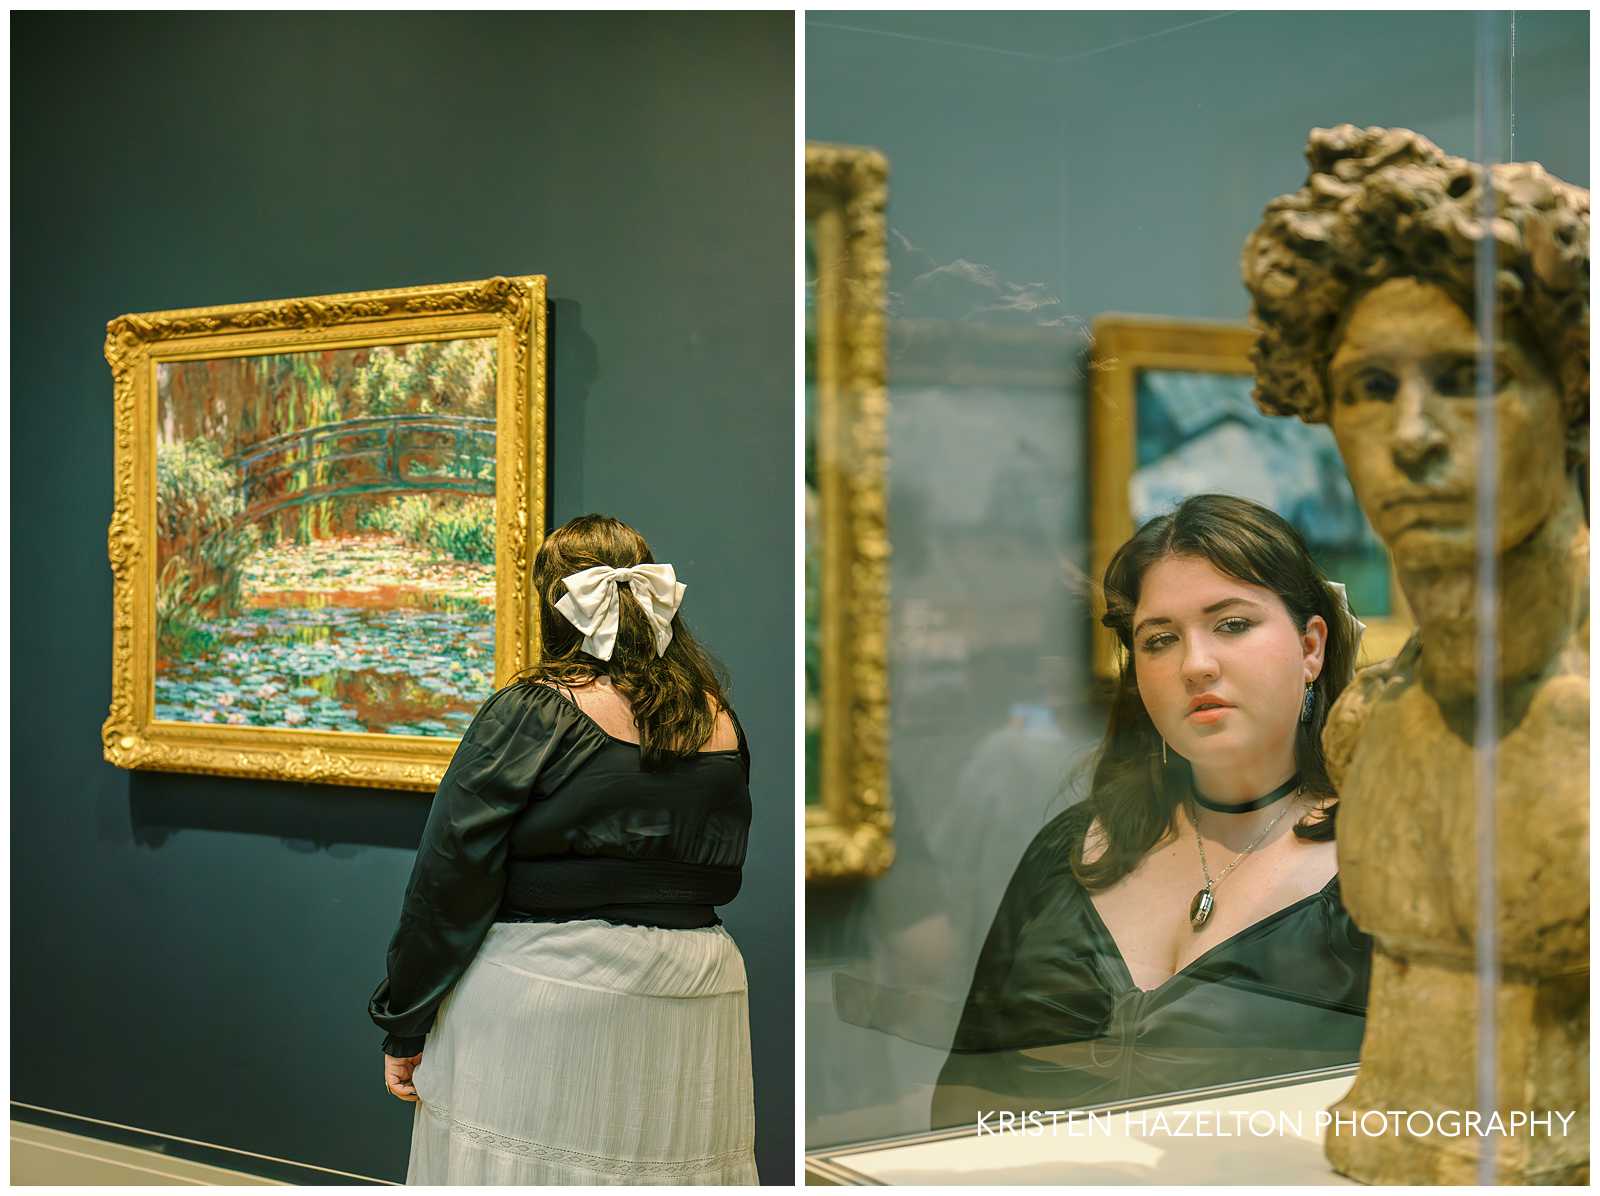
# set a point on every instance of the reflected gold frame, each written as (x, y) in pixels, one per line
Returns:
(511, 310)
(1124, 345)
(846, 197)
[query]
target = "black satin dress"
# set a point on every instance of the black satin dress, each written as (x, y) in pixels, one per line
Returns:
(543, 816)
(1054, 1020)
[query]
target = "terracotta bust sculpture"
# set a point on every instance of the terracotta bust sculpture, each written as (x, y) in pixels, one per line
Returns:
(1363, 297)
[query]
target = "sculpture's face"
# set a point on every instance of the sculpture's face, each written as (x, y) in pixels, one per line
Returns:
(1199, 633)
(1403, 408)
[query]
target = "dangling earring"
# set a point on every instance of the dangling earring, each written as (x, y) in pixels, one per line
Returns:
(1163, 751)
(1306, 706)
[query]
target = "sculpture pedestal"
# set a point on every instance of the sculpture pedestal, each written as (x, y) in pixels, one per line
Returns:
(1420, 1056)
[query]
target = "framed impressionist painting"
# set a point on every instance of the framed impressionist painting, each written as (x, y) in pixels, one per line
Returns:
(326, 510)
(1172, 416)
(848, 820)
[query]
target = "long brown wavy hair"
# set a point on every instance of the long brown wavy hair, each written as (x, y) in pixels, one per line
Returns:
(675, 697)
(1132, 793)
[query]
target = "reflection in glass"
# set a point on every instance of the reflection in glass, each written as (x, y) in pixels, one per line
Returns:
(1028, 208)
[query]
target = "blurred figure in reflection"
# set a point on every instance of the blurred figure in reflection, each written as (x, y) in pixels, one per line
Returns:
(1005, 790)
(1181, 927)
(928, 916)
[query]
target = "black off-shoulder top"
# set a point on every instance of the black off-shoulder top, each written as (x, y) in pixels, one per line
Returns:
(543, 815)
(1053, 1019)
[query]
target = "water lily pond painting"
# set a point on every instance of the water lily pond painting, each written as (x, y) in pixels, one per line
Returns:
(325, 511)
(325, 538)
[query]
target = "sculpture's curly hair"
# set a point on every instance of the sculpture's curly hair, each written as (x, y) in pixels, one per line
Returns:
(1388, 203)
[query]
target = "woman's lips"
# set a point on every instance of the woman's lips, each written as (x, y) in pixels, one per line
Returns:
(1209, 714)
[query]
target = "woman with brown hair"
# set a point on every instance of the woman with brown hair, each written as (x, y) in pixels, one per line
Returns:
(562, 1001)
(1181, 927)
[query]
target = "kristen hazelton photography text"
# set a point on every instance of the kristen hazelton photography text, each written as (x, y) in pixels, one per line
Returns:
(1265, 1123)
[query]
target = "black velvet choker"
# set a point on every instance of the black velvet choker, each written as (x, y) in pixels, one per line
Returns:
(1260, 803)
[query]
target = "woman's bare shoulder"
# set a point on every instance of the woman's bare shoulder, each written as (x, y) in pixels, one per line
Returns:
(724, 736)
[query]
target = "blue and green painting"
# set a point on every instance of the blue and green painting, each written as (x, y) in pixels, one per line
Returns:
(325, 527)
(1201, 433)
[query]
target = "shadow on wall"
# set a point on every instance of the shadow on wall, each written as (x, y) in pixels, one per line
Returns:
(337, 819)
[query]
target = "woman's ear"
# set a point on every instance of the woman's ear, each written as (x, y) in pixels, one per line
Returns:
(1314, 644)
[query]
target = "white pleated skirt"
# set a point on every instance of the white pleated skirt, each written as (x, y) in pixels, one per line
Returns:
(587, 1053)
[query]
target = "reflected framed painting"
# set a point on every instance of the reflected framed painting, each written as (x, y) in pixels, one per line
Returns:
(326, 510)
(1172, 415)
(848, 819)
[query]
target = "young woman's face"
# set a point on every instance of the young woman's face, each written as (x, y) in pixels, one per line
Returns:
(1221, 666)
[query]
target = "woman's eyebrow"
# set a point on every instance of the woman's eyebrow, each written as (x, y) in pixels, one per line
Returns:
(1210, 610)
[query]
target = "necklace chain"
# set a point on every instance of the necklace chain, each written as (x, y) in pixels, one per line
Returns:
(1200, 843)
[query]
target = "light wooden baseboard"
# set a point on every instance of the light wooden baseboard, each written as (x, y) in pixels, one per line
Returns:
(54, 1158)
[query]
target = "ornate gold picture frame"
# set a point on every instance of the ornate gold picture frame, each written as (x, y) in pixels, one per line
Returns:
(848, 820)
(326, 512)
(1171, 414)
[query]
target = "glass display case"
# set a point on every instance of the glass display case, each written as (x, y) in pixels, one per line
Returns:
(1074, 338)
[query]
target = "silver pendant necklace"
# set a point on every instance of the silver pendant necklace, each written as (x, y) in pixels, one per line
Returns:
(1204, 901)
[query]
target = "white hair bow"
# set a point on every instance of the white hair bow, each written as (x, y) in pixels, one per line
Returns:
(1357, 627)
(592, 606)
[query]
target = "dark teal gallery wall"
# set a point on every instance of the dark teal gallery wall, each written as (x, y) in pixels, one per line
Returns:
(193, 955)
(1121, 157)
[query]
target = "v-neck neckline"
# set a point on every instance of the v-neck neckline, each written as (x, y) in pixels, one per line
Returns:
(1116, 950)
